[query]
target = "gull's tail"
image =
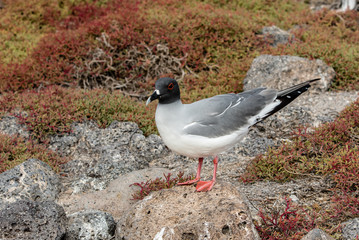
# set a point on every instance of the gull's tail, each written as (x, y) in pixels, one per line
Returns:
(288, 95)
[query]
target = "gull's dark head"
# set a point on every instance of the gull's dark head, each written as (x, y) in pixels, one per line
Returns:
(166, 91)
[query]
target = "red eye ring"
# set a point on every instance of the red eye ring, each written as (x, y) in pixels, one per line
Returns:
(170, 86)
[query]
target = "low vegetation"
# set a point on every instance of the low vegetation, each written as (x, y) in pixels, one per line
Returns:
(15, 150)
(53, 109)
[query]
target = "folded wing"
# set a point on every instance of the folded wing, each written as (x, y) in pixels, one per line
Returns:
(224, 114)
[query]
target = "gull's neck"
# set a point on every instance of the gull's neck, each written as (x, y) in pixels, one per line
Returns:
(176, 105)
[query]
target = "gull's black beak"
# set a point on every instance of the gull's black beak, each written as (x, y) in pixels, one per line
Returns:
(154, 96)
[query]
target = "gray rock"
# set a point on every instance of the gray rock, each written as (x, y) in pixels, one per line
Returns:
(317, 234)
(10, 125)
(276, 36)
(149, 148)
(33, 180)
(90, 224)
(182, 213)
(254, 144)
(351, 229)
(26, 220)
(63, 144)
(281, 125)
(101, 155)
(280, 72)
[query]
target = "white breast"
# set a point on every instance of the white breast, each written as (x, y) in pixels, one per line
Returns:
(170, 124)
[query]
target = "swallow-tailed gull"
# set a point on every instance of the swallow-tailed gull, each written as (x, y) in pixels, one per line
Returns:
(213, 125)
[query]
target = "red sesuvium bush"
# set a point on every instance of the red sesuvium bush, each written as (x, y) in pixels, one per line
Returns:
(55, 55)
(79, 14)
(49, 63)
(15, 150)
(199, 38)
(212, 36)
(158, 184)
(290, 222)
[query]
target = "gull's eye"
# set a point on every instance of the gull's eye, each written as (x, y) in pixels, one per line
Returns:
(170, 86)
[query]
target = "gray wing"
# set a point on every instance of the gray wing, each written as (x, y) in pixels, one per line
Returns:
(222, 114)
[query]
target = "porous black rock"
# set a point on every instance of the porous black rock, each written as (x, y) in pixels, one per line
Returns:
(27, 220)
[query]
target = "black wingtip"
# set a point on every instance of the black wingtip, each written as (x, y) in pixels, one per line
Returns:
(314, 80)
(286, 96)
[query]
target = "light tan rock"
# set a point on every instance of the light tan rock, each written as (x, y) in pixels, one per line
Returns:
(115, 199)
(182, 213)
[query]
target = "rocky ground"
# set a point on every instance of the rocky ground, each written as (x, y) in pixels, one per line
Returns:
(92, 197)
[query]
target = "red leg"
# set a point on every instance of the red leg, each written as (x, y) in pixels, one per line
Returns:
(203, 186)
(198, 175)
